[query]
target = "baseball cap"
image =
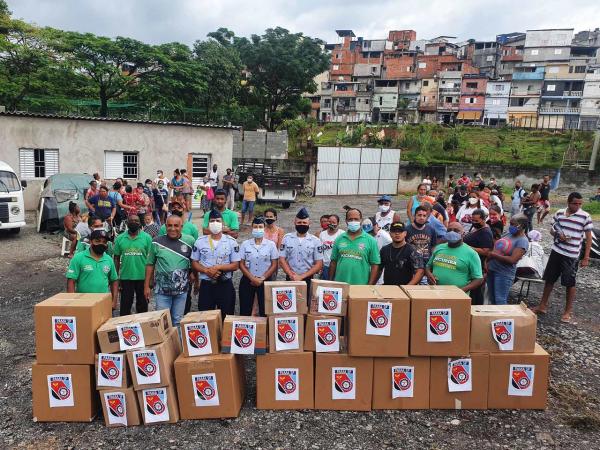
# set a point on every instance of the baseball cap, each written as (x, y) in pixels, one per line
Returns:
(384, 198)
(397, 227)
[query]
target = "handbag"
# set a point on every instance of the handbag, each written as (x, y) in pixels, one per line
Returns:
(210, 194)
(526, 266)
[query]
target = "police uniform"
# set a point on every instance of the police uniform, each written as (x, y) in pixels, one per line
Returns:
(257, 259)
(220, 292)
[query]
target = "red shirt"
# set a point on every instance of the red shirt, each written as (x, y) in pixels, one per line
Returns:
(133, 199)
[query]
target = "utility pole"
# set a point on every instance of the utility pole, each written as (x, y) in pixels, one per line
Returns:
(595, 148)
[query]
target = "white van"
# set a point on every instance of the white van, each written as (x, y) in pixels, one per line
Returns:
(12, 208)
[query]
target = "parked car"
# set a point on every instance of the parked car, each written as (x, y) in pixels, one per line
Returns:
(12, 207)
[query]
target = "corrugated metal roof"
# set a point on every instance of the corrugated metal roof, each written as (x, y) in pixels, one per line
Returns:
(115, 119)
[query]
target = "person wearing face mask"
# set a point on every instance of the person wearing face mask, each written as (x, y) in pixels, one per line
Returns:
(231, 224)
(94, 223)
(417, 200)
(495, 222)
(130, 254)
(215, 257)
(480, 239)
(324, 224)
(502, 261)
(258, 263)
(453, 263)
(301, 253)
(327, 238)
(465, 211)
(92, 270)
(355, 256)
(385, 215)
(189, 228)
(251, 190)
(272, 231)
(516, 198)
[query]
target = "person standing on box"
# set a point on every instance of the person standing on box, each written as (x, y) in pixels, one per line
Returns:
(168, 266)
(92, 270)
(215, 257)
(301, 253)
(258, 262)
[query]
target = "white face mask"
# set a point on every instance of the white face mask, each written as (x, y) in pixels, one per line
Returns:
(384, 208)
(473, 201)
(215, 227)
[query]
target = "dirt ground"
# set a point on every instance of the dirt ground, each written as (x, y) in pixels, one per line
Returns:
(31, 270)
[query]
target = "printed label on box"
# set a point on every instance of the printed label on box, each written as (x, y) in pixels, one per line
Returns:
(243, 338)
(343, 383)
(156, 407)
(503, 332)
(330, 300)
(60, 390)
(520, 380)
(439, 325)
(147, 370)
(206, 391)
(286, 384)
(286, 330)
(198, 338)
(130, 336)
(403, 381)
(64, 335)
(116, 408)
(379, 318)
(460, 375)
(110, 370)
(284, 300)
(327, 338)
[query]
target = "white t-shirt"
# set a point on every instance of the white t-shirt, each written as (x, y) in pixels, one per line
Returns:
(213, 177)
(495, 199)
(385, 221)
(383, 238)
(327, 240)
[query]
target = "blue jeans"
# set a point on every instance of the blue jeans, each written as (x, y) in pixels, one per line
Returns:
(498, 287)
(174, 303)
(325, 273)
(247, 207)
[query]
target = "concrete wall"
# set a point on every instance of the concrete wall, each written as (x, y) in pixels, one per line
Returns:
(81, 145)
(260, 144)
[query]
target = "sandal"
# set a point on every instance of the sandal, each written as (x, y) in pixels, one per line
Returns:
(566, 318)
(537, 310)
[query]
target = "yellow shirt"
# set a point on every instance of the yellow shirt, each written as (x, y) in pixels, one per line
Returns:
(250, 191)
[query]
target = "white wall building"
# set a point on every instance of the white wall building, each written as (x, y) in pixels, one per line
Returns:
(496, 102)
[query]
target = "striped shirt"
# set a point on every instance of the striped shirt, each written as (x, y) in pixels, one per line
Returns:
(574, 227)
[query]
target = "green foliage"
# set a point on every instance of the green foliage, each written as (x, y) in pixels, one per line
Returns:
(592, 207)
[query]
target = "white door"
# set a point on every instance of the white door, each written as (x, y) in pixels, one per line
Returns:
(199, 169)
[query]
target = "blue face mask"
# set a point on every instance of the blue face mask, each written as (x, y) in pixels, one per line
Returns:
(513, 230)
(353, 226)
(367, 228)
(258, 233)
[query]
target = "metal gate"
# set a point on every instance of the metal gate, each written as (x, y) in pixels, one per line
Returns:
(357, 171)
(198, 167)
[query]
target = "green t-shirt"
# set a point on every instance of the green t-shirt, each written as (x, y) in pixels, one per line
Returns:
(92, 276)
(188, 228)
(171, 259)
(354, 258)
(230, 219)
(133, 253)
(455, 266)
(84, 245)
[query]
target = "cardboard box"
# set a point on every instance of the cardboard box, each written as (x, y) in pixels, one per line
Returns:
(159, 405)
(378, 321)
(65, 327)
(503, 328)
(210, 387)
(285, 297)
(120, 407)
(244, 335)
(134, 331)
(329, 298)
(63, 393)
(322, 334)
(401, 383)
(201, 331)
(343, 382)
(286, 333)
(519, 380)
(111, 371)
(285, 381)
(467, 378)
(440, 321)
(152, 366)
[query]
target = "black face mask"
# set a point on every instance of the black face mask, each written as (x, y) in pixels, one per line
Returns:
(270, 221)
(133, 227)
(332, 226)
(177, 213)
(302, 229)
(455, 244)
(477, 226)
(99, 249)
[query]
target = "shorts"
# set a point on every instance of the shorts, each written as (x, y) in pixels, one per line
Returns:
(561, 266)
(543, 205)
(187, 195)
(247, 206)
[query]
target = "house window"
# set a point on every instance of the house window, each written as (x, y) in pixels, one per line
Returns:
(422, 65)
(366, 101)
(579, 69)
(495, 101)
(471, 100)
(336, 67)
(120, 165)
(551, 88)
(489, 58)
(471, 85)
(424, 99)
(406, 85)
(425, 82)
(38, 162)
(535, 52)
(553, 70)
(380, 101)
(557, 51)
(337, 56)
(499, 87)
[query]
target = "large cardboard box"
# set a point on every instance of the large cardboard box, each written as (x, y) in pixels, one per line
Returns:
(322, 334)
(159, 405)
(285, 297)
(378, 321)
(285, 381)
(401, 383)
(111, 371)
(65, 327)
(120, 407)
(201, 331)
(459, 383)
(519, 380)
(134, 331)
(63, 393)
(343, 382)
(440, 321)
(503, 328)
(152, 366)
(210, 387)
(286, 333)
(244, 335)
(329, 298)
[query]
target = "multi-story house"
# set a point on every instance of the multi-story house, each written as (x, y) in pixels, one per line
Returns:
(485, 55)
(497, 94)
(429, 99)
(551, 45)
(315, 98)
(326, 101)
(561, 94)
(409, 92)
(590, 100)
(449, 84)
(385, 101)
(511, 53)
(472, 98)
(525, 91)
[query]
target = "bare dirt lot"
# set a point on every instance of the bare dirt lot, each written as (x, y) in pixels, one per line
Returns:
(31, 270)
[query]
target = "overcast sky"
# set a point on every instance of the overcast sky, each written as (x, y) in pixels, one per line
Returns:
(158, 21)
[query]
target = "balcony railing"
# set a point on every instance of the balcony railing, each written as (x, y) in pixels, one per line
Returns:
(524, 108)
(572, 93)
(525, 93)
(450, 90)
(451, 106)
(528, 76)
(473, 91)
(559, 110)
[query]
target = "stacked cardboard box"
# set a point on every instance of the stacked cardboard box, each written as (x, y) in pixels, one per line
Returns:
(66, 344)
(150, 345)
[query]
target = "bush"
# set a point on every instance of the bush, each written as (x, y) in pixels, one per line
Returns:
(592, 207)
